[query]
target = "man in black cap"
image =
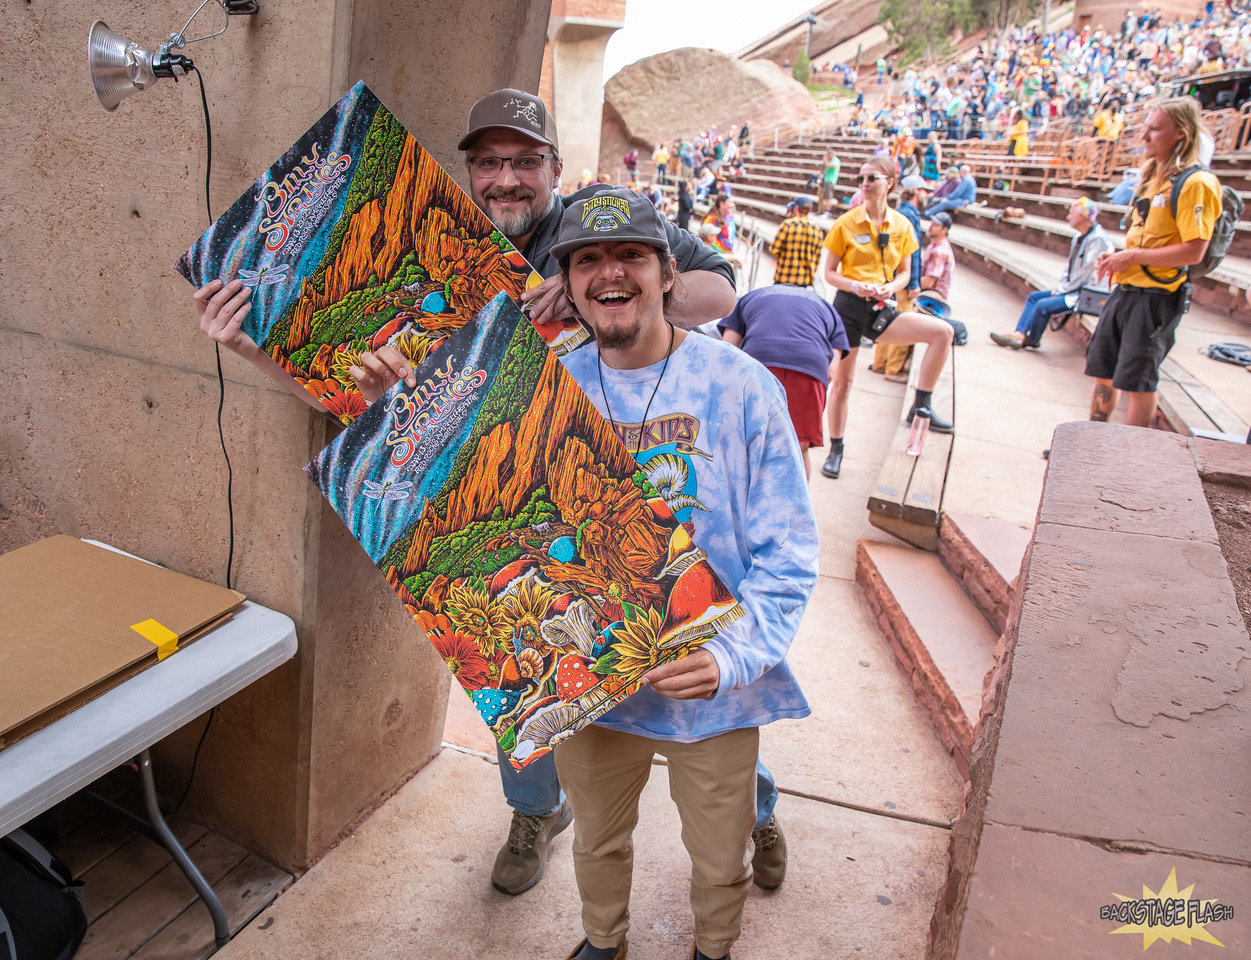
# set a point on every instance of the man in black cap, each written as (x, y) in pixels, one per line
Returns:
(702, 712)
(514, 168)
(797, 245)
(513, 159)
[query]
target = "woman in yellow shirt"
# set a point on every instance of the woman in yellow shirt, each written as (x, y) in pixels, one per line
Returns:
(870, 254)
(1018, 134)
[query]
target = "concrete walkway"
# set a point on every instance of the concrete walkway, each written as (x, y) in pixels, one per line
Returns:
(868, 789)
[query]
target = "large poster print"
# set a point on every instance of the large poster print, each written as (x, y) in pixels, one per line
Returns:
(545, 565)
(353, 239)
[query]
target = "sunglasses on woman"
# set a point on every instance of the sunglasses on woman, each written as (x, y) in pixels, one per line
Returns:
(871, 177)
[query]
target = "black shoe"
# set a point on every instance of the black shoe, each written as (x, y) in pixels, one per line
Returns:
(937, 424)
(833, 463)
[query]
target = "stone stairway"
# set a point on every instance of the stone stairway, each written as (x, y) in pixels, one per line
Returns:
(942, 614)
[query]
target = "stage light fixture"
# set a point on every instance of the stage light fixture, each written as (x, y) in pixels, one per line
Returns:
(120, 67)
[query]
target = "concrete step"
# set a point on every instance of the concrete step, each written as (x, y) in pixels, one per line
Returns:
(941, 640)
(984, 555)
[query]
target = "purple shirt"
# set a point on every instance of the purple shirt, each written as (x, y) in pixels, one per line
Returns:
(789, 327)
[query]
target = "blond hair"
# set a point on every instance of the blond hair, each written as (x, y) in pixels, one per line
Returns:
(1186, 116)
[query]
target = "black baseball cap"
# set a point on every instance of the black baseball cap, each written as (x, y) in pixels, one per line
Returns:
(943, 219)
(612, 214)
(510, 109)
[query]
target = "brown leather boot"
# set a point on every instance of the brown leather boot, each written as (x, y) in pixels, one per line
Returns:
(520, 863)
(768, 865)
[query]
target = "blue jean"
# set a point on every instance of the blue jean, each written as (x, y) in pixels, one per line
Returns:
(942, 206)
(1040, 306)
(535, 791)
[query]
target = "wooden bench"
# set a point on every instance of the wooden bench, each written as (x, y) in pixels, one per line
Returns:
(999, 167)
(907, 499)
(1186, 406)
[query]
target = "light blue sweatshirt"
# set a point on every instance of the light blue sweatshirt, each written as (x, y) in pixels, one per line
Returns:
(721, 417)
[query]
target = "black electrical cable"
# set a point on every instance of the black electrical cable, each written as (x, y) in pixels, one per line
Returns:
(221, 433)
(221, 380)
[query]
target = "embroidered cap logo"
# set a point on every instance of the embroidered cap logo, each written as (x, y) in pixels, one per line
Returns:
(605, 214)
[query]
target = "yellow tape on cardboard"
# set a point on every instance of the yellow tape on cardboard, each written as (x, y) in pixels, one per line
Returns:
(165, 639)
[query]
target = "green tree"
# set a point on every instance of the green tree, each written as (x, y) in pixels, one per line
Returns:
(997, 16)
(802, 71)
(922, 28)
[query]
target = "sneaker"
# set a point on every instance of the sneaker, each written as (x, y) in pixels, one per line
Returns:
(769, 862)
(1014, 340)
(937, 424)
(521, 860)
(833, 463)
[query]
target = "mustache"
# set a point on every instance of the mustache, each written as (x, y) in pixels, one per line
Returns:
(513, 194)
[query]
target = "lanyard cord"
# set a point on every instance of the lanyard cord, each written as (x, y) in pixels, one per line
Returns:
(599, 365)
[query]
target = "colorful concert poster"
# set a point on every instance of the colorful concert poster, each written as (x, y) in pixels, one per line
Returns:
(354, 239)
(546, 567)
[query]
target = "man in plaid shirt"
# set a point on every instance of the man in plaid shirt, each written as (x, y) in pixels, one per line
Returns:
(797, 246)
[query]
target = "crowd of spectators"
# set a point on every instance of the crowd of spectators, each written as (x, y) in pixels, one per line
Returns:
(1018, 86)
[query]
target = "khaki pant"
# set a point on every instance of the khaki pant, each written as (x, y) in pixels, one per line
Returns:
(713, 783)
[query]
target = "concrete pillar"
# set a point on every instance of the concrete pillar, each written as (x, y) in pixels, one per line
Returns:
(577, 34)
(108, 429)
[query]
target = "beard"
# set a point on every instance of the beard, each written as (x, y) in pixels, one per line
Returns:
(622, 338)
(518, 223)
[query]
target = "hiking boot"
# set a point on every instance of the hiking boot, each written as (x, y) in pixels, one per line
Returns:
(1014, 340)
(768, 865)
(521, 860)
(833, 463)
(937, 424)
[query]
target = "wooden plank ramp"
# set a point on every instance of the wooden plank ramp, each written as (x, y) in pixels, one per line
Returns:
(907, 498)
(138, 902)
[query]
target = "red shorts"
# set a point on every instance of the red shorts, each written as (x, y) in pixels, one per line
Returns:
(805, 401)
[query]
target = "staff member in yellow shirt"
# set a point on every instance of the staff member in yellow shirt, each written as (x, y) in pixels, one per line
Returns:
(1018, 134)
(870, 252)
(1136, 327)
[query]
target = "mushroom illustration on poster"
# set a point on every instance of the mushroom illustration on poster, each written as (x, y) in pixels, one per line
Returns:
(544, 565)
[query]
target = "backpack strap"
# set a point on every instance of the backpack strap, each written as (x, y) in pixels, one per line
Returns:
(1174, 194)
(1179, 181)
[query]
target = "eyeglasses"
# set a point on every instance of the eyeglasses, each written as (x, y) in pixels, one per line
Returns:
(871, 177)
(523, 163)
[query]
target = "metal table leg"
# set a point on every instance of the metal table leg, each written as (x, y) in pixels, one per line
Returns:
(221, 930)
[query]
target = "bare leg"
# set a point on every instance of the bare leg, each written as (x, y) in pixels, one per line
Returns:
(936, 334)
(1141, 409)
(1104, 400)
(840, 390)
(807, 449)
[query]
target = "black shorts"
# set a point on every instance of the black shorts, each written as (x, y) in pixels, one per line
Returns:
(1133, 336)
(858, 315)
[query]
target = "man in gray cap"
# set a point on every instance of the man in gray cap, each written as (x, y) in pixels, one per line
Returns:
(702, 712)
(514, 167)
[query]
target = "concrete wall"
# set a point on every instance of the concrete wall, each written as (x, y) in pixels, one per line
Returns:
(109, 430)
(573, 65)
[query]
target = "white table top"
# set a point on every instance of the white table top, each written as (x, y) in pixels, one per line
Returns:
(50, 764)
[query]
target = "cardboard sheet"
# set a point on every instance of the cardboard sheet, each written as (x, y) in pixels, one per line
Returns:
(68, 617)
